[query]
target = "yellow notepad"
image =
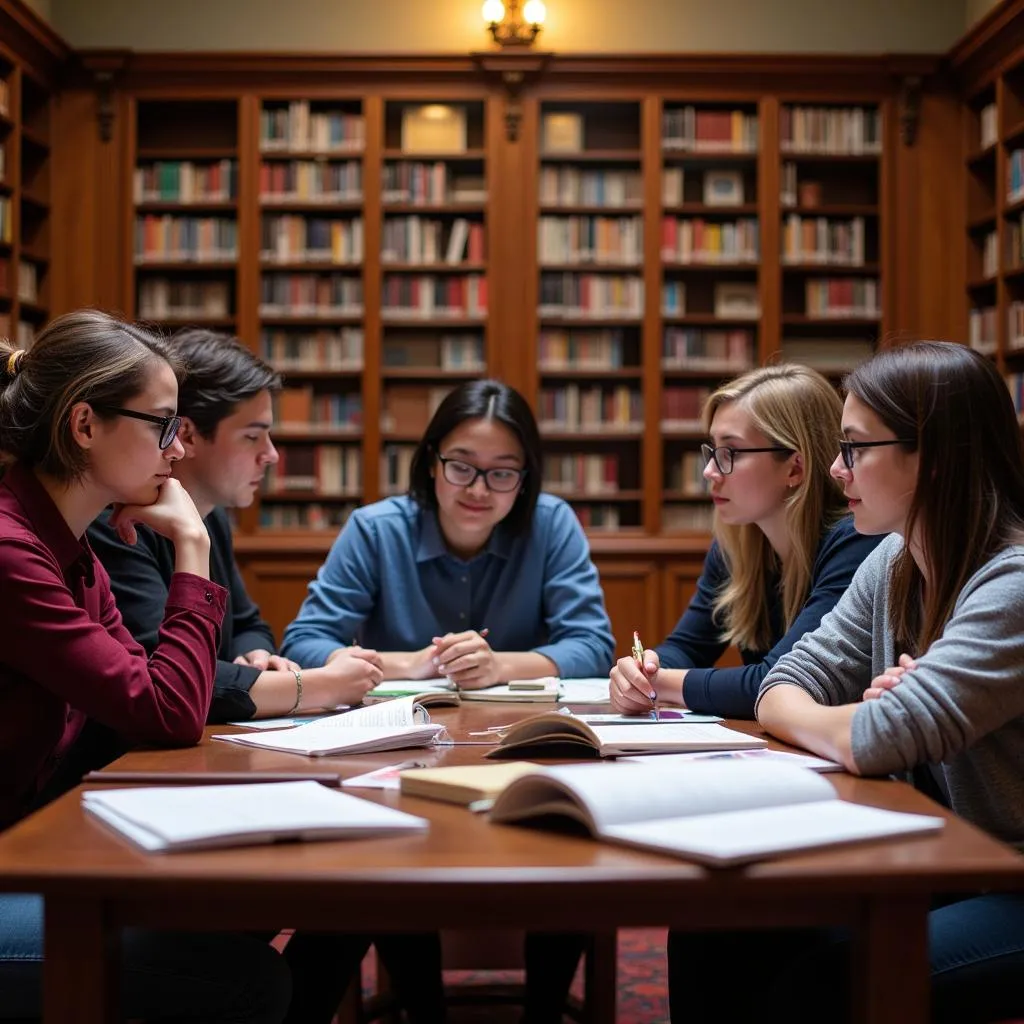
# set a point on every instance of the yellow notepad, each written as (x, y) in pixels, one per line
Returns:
(462, 783)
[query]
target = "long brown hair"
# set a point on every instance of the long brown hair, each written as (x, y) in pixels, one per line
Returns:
(968, 501)
(85, 356)
(797, 408)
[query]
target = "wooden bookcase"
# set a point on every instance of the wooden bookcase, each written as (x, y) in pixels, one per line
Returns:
(990, 62)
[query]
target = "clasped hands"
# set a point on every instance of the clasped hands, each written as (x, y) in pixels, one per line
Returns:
(466, 659)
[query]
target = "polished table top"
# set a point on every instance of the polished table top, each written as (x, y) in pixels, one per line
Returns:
(466, 862)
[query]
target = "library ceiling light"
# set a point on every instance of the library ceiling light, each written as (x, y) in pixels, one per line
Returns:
(510, 27)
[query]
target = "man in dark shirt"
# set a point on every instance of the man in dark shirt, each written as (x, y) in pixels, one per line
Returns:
(227, 412)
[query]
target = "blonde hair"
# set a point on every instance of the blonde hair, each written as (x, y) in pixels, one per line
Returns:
(797, 408)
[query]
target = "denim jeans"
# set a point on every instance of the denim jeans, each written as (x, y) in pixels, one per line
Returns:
(166, 976)
(975, 946)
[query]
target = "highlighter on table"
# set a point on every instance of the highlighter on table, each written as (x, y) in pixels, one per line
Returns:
(638, 655)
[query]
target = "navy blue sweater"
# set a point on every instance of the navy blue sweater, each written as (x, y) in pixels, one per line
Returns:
(696, 643)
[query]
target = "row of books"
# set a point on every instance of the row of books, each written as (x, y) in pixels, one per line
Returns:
(310, 181)
(28, 281)
(581, 474)
(685, 474)
(297, 128)
(1015, 326)
(1014, 247)
(689, 518)
(1015, 176)
(6, 220)
(831, 130)
(708, 131)
(823, 240)
(306, 408)
(419, 240)
(311, 295)
(702, 241)
(711, 187)
(590, 295)
(990, 252)
(681, 406)
(1015, 382)
(598, 517)
(289, 238)
(732, 300)
(324, 469)
(409, 407)
(431, 184)
(313, 515)
(172, 239)
(711, 349)
(448, 352)
(594, 409)
(584, 350)
(988, 123)
(578, 240)
(981, 329)
(395, 462)
(185, 181)
(161, 298)
(565, 185)
(323, 349)
(425, 296)
(842, 296)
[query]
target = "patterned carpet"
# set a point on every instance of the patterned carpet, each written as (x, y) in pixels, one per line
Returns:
(643, 990)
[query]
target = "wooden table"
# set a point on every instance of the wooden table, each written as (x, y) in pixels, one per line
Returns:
(467, 872)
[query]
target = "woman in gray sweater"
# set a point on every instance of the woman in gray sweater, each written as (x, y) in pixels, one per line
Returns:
(917, 670)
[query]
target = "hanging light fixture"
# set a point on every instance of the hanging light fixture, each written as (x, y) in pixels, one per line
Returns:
(510, 27)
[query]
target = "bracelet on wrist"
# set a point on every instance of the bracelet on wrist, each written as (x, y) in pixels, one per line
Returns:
(298, 690)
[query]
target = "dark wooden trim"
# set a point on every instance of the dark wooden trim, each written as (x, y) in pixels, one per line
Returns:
(978, 57)
(38, 46)
(804, 74)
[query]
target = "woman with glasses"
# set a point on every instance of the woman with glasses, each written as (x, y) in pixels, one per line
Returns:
(917, 672)
(475, 575)
(87, 419)
(784, 548)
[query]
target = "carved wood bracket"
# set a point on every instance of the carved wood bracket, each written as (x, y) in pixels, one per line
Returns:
(514, 72)
(910, 109)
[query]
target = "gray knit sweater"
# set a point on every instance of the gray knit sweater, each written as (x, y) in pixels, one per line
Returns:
(962, 708)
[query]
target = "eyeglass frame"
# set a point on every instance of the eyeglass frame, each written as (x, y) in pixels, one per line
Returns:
(711, 452)
(170, 425)
(478, 472)
(847, 448)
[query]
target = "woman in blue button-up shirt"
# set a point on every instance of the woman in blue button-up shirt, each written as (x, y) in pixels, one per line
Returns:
(475, 574)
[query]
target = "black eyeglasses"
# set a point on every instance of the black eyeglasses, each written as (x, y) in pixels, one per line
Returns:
(725, 456)
(847, 448)
(168, 424)
(462, 474)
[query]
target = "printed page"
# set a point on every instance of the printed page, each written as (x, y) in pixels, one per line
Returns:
(319, 738)
(816, 764)
(671, 737)
(619, 793)
(584, 691)
(189, 816)
(742, 836)
(409, 687)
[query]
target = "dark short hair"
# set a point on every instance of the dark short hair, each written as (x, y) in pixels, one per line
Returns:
(968, 503)
(482, 400)
(220, 372)
(84, 356)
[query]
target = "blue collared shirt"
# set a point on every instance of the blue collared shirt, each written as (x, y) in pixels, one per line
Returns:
(390, 583)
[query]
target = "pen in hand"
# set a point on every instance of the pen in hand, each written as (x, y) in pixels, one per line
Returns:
(638, 655)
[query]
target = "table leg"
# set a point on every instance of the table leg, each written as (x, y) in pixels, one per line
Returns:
(891, 979)
(80, 963)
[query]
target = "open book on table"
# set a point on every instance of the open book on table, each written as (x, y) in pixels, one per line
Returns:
(165, 819)
(518, 691)
(390, 725)
(556, 735)
(720, 813)
(462, 783)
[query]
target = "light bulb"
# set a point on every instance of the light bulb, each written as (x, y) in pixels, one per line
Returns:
(534, 12)
(493, 11)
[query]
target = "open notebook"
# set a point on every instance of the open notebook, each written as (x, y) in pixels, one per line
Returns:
(717, 812)
(390, 725)
(556, 735)
(164, 819)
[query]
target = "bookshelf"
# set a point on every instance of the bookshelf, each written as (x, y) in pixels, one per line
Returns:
(434, 266)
